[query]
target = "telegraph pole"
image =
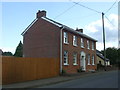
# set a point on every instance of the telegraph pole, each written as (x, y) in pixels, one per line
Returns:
(104, 40)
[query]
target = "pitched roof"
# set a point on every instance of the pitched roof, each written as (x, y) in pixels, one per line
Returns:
(29, 26)
(99, 54)
(66, 27)
(59, 25)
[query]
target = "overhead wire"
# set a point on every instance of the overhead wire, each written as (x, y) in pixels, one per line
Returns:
(76, 3)
(110, 21)
(64, 11)
(111, 7)
(87, 7)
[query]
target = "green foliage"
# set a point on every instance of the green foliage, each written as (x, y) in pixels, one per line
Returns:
(113, 54)
(79, 70)
(19, 50)
(118, 60)
(63, 71)
(7, 54)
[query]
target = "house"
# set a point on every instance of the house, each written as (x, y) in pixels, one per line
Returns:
(45, 37)
(100, 59)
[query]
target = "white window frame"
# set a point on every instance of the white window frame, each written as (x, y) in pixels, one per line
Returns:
(65, 57)
(75, 59)
(88, 57)
(93, 45)
(82, 43)
(65, 37)
(74, 40)
(93, 60)
(88, 44)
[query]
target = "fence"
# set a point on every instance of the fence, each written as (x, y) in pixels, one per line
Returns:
(24, 69)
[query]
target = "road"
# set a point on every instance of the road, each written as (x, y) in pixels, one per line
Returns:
(101, 80)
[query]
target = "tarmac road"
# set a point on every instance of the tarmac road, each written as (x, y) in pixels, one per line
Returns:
(102, 80)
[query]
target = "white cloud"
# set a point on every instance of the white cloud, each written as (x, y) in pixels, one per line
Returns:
(95, 30)
(99, 45)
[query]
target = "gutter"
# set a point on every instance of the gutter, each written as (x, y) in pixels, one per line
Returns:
(61, 49)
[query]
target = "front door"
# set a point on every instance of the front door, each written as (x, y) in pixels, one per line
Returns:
(82, 61)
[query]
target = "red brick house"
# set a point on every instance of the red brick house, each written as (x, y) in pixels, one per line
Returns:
(47, 38)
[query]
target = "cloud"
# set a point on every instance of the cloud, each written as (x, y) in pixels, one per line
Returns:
(95, 30)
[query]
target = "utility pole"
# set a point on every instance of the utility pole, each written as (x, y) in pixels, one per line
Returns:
(104, 40)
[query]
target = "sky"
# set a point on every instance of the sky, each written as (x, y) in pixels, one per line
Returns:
(16, 16)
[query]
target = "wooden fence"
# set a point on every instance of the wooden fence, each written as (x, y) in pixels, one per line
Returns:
(24, 69)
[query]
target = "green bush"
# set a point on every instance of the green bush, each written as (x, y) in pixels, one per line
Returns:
(63, 71)
(79, 70)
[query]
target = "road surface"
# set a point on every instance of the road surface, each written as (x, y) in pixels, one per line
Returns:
(100, 80)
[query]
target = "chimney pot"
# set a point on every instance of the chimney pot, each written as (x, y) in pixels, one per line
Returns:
(79, 30)
(41, 14)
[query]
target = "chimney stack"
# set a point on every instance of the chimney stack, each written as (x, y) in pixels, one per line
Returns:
(41, 14)
(79, 30)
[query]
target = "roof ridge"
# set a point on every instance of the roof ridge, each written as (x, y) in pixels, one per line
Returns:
(59, 25)
(29, 26)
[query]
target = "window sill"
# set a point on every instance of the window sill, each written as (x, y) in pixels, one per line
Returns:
(75, 64)
(75, 45)
(66, 43)
(93, 64)
(89, 64)
(93, 49)
(66, 64)
(82, 47)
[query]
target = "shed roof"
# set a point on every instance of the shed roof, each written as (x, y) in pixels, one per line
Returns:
(99, 54)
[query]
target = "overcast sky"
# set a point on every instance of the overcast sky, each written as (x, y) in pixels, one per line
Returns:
(16, 16)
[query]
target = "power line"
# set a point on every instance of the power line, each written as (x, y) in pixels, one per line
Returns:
(64, 11)
(111, 6)
(87, 7)
(110, 21)
(82, 17)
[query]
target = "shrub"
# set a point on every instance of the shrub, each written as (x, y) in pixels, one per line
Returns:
(79, 70)
(63, 71)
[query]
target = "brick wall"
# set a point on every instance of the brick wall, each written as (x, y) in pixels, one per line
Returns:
(42, 40)
(71, 49)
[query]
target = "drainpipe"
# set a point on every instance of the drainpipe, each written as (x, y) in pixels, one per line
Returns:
(61, 49)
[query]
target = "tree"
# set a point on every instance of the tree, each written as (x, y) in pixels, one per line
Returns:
(7, 54)
(19, 50)
(118, 60)
(112, 54)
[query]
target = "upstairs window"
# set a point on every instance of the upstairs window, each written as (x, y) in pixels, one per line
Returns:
(74, 58)
(93, 46)
(88, 44)
(88, 59)
(65, 57)
(74, 40)
(93, 60)
(66, 37)
(82, 43)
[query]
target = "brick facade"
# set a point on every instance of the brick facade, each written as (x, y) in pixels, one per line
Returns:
(71, 49)
(42, 39)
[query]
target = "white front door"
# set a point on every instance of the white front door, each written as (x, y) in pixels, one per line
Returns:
(82, 61)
